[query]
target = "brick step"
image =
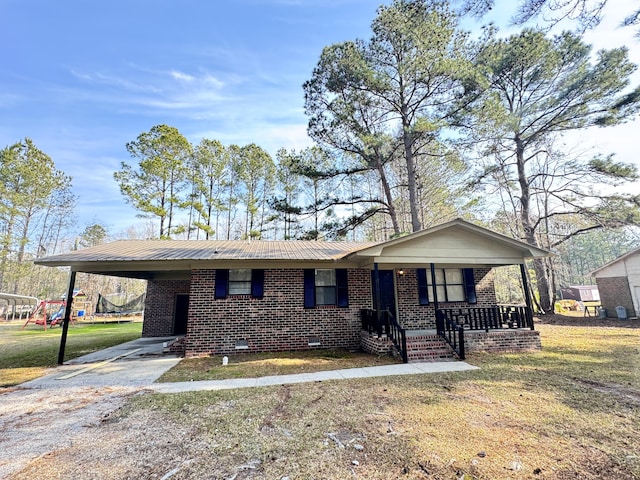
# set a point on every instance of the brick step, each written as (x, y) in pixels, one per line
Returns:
(426, 345)
(428, 348)
(424, 338)
(429, 357)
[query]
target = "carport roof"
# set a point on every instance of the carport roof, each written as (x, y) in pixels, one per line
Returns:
(13, 299)
(453, 243)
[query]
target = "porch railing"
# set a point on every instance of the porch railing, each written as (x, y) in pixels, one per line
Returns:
(489, 318)
(385, 324)
(451, 331)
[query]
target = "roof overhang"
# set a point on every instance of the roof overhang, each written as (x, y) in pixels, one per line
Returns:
(457, 243)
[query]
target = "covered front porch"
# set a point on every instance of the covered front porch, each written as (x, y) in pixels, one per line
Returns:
(457, 311)
(504, 328)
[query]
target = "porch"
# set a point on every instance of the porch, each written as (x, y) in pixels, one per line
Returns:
(458, 330)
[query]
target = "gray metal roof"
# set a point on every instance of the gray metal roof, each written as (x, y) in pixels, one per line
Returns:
(13, 299)
(453, 243)
(194, 250)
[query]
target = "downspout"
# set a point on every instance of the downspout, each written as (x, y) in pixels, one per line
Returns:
(527, 294)
(67, 317)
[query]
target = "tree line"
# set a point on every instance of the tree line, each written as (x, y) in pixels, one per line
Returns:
(418, 124)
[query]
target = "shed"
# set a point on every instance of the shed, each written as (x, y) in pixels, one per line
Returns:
(619, 283)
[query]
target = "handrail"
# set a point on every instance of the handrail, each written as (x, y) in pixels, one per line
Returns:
(451, 332)
(386, 323)
(397, 334)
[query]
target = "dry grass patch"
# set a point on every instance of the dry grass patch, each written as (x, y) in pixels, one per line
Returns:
(265, 364)
(568, 412)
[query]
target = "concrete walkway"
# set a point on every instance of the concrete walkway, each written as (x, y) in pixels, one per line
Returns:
(139, 363)
(365, 372)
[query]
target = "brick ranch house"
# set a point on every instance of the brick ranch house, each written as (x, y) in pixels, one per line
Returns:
(225, 297)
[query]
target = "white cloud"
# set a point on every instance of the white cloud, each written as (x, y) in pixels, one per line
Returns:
(185, 77)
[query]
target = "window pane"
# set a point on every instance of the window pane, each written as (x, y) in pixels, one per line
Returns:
(239, 288)
(240, 275)
(325, 295)
(441, 296)
(455, 293)
(453, 276)
(326, 278)
(439, 277)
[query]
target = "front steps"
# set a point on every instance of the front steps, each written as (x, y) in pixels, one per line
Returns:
(422, 346)
(427, 347)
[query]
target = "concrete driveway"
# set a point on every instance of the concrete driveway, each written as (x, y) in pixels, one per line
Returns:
(135, 364)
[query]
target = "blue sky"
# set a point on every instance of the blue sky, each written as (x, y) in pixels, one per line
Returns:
(83, 78)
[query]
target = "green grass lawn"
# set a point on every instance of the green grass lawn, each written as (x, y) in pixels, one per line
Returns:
(26, 354)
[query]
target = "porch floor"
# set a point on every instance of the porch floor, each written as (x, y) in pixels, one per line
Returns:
(419, 333)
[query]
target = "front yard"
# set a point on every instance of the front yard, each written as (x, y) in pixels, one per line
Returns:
(570, 411)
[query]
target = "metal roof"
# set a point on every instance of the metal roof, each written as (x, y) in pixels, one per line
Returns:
(203, 250)
(12, 299)
(457, 242)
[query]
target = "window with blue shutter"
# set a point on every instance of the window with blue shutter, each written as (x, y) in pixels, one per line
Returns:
(452, 285)
(239, 281)
(326, 286)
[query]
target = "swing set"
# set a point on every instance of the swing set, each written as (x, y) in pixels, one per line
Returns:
(48, 313)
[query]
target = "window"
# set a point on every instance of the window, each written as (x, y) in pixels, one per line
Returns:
(325, 286)
(452, 285)
(240, 281)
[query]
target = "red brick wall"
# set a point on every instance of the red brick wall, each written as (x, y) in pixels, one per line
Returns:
(373, 344)
(614, 291)
(159, 306)
(502, 341)
(414, 316)
(277, 322)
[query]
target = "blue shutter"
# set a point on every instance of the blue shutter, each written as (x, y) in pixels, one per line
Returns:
(257, 283)
(469, 285)
(309, 288)
(342, 288)
(222, 283)
(423, 289)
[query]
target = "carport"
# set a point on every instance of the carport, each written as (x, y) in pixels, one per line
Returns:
(15, 300)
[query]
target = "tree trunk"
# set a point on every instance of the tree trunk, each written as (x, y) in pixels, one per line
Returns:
(407, 139)
(387, 193)
(542, 281)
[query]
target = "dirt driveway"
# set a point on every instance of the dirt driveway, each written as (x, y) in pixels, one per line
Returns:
(48, 413)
